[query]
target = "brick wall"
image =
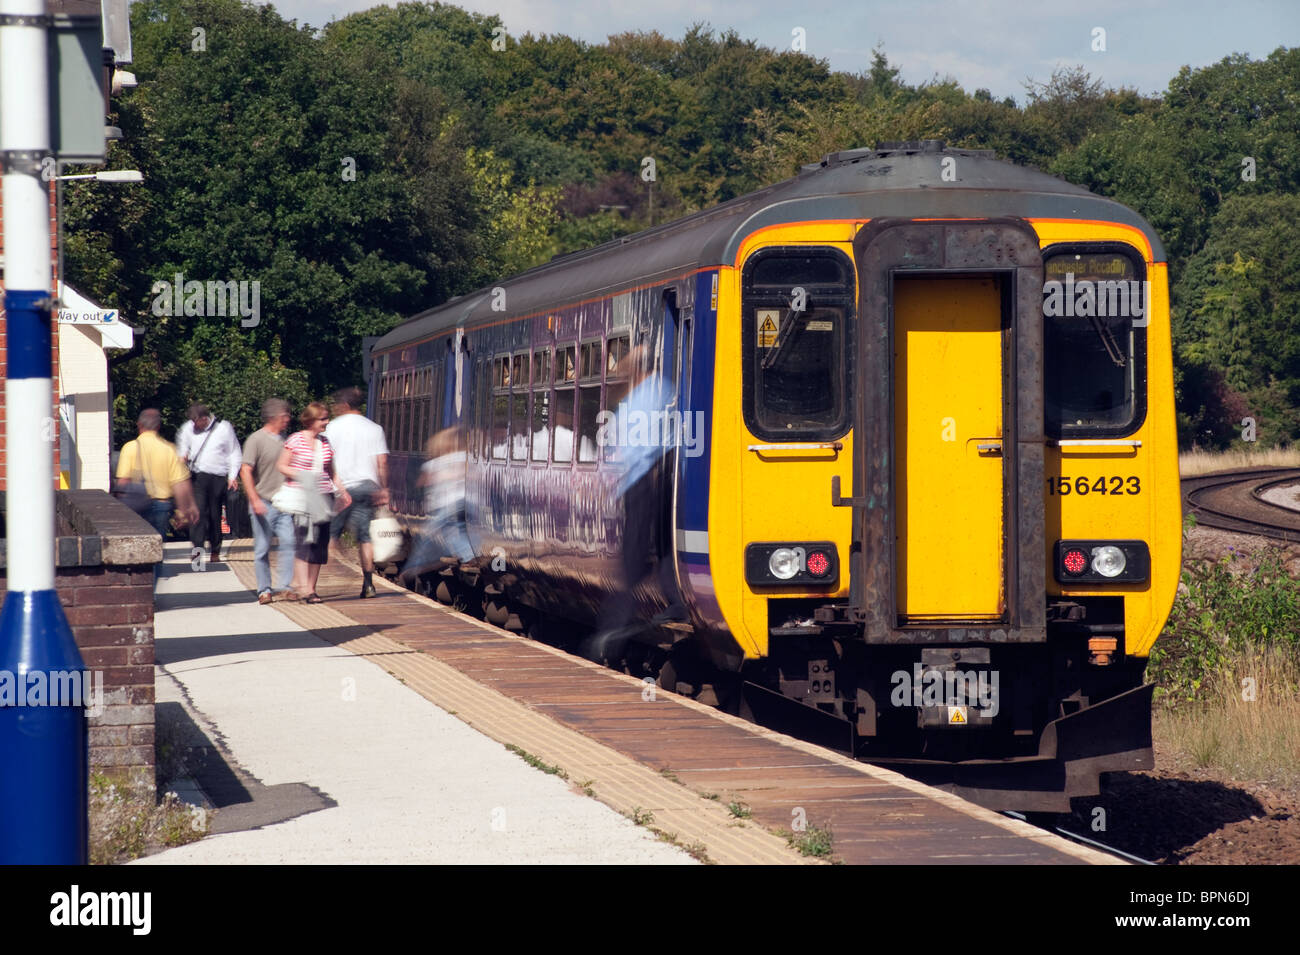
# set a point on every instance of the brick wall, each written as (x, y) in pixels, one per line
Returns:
(110, 611)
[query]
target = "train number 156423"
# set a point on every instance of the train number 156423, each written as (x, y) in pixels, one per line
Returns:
(1061, 486)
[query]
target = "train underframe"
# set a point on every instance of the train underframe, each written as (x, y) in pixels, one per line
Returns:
(1013, 726)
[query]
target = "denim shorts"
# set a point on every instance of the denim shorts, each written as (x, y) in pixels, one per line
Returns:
(358, 515)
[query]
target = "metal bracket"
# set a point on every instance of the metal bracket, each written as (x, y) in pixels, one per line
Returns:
(25, 19)
(24, 160)
(837, 501)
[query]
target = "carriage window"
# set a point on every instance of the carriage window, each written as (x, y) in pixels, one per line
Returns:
(566, 365)
(541, 405)
(615, 353)
(500, 436)
(1094, 341)
(519, 433)
(589, 368)
(562, 453)
(796, 334)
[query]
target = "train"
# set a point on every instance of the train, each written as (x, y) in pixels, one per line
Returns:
(888, 447)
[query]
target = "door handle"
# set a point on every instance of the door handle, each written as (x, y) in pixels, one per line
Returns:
(837, 501)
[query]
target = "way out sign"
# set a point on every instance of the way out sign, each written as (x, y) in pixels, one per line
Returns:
(87, 316)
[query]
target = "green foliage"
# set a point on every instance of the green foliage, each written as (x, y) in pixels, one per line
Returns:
(1222, 611)
(474, 162)
(814, 841)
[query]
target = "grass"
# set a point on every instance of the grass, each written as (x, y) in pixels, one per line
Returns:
(126, 823)
(536, 762)
(1227, 668)
(1192, 463)
(1228, 731)
(739, 810)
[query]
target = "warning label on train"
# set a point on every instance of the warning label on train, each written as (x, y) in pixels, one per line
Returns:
(769, 320)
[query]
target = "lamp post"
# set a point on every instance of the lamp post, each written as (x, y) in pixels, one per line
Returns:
(43, 741)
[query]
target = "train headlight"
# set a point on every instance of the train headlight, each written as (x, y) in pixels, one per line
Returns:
(785, 562)
(1108, 561)
(791, 562)
(1102, 562)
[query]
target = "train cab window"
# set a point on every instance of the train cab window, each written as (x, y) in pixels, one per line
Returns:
(1094, 340)
(566, 374)
(796, 334)
(541, 438)
(589, 368)
(519, 433)
(500, 433)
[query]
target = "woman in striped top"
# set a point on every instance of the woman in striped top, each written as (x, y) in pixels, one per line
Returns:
(307, 462)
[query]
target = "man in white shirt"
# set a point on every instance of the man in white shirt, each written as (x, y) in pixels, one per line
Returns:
(211, 451)
(361, 463)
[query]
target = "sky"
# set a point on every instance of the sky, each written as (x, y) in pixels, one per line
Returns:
(994, 44)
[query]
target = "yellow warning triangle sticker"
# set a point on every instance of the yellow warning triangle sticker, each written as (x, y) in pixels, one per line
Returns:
(768, 325)
(956, 714)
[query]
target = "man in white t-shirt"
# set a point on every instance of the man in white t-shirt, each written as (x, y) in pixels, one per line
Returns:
(361, 463)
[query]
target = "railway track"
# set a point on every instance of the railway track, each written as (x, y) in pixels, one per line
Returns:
(1233, 501)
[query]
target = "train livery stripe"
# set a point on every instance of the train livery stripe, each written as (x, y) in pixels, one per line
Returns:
(693, 542)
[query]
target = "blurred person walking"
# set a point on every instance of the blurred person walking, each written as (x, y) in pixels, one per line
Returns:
(210, 449)
(307, 462)
(262, 478)
(361, 455)
(152, 480)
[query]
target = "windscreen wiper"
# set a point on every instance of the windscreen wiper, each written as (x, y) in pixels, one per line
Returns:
(782, 339)
(1117, 356)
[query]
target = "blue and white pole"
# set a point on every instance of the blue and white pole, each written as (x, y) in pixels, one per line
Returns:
(43, 755)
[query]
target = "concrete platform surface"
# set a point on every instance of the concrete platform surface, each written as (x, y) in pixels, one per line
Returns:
(316, 755)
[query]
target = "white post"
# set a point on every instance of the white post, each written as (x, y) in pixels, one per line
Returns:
(43, 755)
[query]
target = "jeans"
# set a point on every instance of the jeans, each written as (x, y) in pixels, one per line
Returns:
(281, 525)
(160, 515)
(358, 514)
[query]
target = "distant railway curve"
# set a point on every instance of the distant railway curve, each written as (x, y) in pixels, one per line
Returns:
(1233, 500)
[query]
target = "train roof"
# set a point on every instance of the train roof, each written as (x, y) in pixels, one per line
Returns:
(894, 180)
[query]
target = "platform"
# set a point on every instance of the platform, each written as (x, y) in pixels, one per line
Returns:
(658, 756)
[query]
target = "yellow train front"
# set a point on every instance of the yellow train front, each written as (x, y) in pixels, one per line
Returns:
(944, 502)
(918, 478)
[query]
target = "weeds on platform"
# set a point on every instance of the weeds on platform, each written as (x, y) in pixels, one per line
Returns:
(739, 810)
(536, 762)
(813, 841)
(126, 824)
(642, 817)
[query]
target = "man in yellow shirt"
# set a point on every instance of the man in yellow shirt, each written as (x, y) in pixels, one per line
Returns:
(153, 461)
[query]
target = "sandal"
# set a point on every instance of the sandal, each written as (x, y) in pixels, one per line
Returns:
(312, 599)
(292, 595)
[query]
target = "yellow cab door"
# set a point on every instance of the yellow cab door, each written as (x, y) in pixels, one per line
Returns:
(949, 554)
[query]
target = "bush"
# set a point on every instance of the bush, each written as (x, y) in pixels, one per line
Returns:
(1226, 614)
